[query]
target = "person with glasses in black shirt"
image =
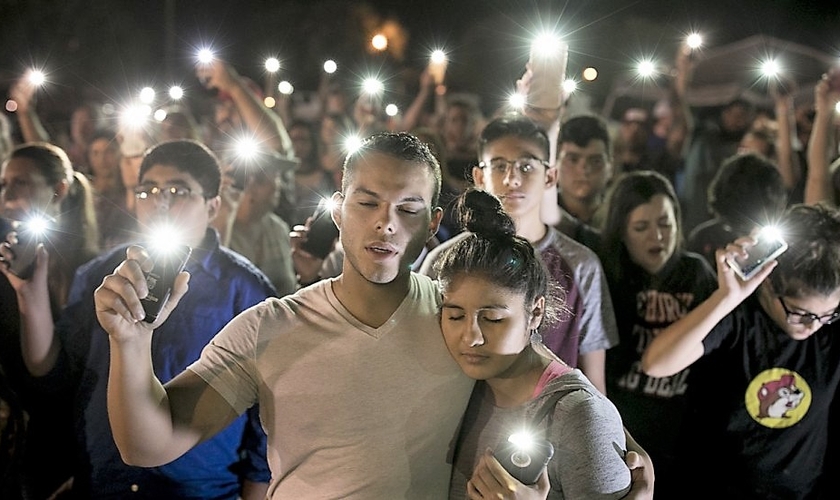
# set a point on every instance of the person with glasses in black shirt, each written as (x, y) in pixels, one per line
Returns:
(764, 409)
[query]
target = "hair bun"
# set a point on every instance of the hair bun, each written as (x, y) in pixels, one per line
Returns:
(481, 213)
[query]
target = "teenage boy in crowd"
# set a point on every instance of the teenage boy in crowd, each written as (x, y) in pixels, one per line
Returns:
(513, 153)
(178, 187)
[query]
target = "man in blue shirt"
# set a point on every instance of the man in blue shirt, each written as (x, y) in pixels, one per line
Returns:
(178, 187)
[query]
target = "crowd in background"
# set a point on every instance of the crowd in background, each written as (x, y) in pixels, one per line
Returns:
(627, 219)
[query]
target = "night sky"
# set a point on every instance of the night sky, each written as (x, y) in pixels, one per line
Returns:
(105, 49)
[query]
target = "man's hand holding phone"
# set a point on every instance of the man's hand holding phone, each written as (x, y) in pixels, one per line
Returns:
(119, 300)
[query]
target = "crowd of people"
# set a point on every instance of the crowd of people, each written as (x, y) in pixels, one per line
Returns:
(530, 268)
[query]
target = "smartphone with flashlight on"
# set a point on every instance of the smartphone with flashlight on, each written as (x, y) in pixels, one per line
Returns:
(29, 234)
(524, 457)
(547, 62)
(322, 233)
(769, 246)
(168, 263)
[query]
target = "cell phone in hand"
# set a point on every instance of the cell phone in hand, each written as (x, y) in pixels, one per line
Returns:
(523, 457)
(168, 263)
(322, 233)
(547, 61)
(769, 246)
(29, 234)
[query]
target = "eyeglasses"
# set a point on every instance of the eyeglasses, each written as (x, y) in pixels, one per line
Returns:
(525, 166)
(168, 193)
(807, 318)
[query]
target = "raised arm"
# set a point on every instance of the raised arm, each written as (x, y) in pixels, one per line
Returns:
(40, 346)
(152, 424)
(23, 93)
(265, 124)
(681, 344)
(817, 184)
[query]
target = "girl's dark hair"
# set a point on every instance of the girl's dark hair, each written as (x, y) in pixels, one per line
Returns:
(629, 191)
(78, 235)
(811, 265)
(492, 250)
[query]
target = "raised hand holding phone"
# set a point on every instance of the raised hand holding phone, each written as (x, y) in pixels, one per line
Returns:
(549, 56)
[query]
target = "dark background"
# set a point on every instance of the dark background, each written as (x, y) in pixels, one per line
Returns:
(108, 49)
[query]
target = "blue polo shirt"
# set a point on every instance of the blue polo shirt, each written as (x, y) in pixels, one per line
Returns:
(222, 284)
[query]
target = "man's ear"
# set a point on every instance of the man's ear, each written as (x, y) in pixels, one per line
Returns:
(337, 200)
(434, 223)
(551, 174)
(213, 205)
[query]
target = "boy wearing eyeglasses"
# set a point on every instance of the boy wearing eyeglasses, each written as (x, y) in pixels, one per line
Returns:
(178, 188)
(763, 408)
(513, 166)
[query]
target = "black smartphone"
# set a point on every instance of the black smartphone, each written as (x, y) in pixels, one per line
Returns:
(769, 246)
(29, 234)
(524, 461)
(167, 265)
(322, 233)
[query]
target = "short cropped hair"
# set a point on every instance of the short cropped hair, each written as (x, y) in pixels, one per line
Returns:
(513, 125)
(190, 157)
(582, 129)
(402, 146)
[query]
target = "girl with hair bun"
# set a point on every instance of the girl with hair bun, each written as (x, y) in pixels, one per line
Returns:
(496, 297)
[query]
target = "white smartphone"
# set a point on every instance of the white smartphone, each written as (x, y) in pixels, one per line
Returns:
(548, 60)
(769, 246)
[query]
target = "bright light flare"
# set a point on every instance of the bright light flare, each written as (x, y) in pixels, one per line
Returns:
(646, 68)
(770, 68)
(392, 110)
(770, 232)
(352, 144)
(160, 115)
(147, 95)
(372, 86)
(164, 239)
(523, 440)
(328, 204)
(37, 77)
(379, 42)
(135, 116)
(36, 225)
(176, 92)
(11, 105)
(569, 86)
(438, 57)
(206, 56)
(837, 107)
(269, 102)
(246, 148)
(546, 44)
(285, 88)
(272, 65)
(330, 66)
(517, 101)
(694, 41)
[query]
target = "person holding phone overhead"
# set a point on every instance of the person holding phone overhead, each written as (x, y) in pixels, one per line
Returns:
(764, 408)
(497, 294)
